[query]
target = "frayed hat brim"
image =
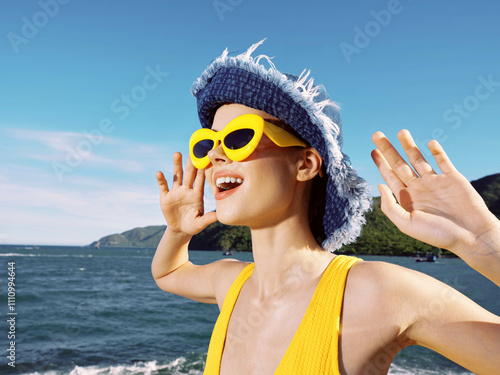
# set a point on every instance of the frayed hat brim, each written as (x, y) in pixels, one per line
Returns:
(306, 108)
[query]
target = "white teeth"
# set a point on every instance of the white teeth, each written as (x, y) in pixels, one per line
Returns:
(226, 180)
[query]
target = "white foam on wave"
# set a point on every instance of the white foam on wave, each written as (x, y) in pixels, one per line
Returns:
(397, 370)
(176, 367)
(140, 368)
(17, 255)
(47, 255)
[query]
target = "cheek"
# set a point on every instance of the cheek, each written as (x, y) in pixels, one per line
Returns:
(276, 180)
(280, 163)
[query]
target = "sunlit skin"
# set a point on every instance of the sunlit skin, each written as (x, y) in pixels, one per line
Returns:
(267, 173)
(386, 307)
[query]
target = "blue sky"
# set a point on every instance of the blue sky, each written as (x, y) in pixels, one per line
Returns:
(95, 94)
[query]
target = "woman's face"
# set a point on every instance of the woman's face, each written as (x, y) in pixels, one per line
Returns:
(258, 191)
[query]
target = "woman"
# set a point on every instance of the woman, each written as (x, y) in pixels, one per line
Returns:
(273, 160)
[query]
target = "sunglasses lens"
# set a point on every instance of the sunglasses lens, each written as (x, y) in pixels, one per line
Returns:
(201, 149)
(238, 139)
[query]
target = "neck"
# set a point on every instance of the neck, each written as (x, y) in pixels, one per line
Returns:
(285, 255)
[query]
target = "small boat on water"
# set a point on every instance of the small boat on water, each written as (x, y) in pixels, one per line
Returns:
(227, 253)
(429, 257)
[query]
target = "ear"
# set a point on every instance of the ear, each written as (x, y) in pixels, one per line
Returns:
(309, 165)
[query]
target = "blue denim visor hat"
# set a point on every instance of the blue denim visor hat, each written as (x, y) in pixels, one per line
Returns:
(307, 109)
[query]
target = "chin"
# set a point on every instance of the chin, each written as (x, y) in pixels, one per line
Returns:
(235, 212)
(230, 218)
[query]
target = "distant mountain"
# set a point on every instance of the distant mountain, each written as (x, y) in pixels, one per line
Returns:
(137, 237)
(219, 236)
(381, 237)
(378, 237)
(489, 188)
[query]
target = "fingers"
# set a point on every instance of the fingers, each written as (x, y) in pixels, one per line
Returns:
(390, 207)
(442, 160)
(194, 178)
(191, 177)
(177, 170)
(208, 218)
(199, 182)
(401, 169)
(162, 182)
(388, 174)
(190, 174)
(417, 160)
(186, 177)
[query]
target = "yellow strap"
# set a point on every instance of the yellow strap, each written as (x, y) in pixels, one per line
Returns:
(218, 339)
(314, 347)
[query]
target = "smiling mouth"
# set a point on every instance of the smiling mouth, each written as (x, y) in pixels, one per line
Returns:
(228, 183)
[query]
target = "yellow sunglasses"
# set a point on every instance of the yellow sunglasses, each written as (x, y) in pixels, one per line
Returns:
(239, 139)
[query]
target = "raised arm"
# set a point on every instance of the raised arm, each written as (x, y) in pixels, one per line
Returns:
(443, 210)
(183, 209)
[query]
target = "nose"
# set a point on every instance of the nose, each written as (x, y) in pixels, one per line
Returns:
(217, 156)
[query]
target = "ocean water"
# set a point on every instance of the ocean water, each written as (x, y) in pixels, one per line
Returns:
(83, 311)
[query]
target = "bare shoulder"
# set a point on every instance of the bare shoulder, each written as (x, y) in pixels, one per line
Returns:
(405, 296)
(207, 283)
(401, 285)
(374, 316)
(225, 272)
(386, 277)
(389, 307)
(390, 293)
(376, 313)
(375, 277)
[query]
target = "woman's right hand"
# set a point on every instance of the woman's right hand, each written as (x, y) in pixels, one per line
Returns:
(182, 204)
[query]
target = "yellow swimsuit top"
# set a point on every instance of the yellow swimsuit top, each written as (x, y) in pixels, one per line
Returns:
(314, 347)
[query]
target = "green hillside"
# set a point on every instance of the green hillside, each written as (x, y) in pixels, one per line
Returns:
(381, 237)
(489, 188)
(378, 237)
(219, 236)
(137, 237)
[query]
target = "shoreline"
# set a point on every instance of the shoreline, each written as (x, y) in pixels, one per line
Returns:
(107, 248)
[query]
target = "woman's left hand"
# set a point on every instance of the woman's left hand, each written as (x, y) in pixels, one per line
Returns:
(444, 209)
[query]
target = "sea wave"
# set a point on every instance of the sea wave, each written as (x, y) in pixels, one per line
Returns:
(179, 366)
(183, 366)
(18, 255)
(399, 370)
(47, 255)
